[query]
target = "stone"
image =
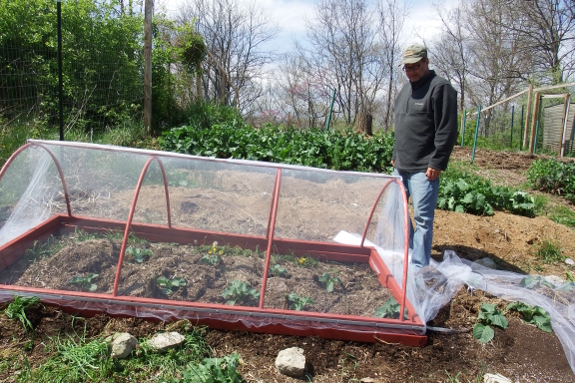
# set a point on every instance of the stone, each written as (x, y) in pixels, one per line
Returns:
(291, 362)
(166, 340)
(570, 262)
(554, 279)
(495, 378)
(122, 344)
(487, 262)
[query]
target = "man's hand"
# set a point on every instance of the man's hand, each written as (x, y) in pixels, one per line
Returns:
(432, 174)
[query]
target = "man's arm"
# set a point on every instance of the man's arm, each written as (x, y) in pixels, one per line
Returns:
(445, 117)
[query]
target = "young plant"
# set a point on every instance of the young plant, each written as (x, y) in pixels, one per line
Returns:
(298, 303)
(210, 259)
(532, 314)
(168, 286)
(82, 236)
(240, 292)
(390, 309)
(16, 310)
(489, 315)
(278, 271)
(140, 255)
(85, 283)
(307, 262)
(533, 282)
(329, 281)
(214, 370)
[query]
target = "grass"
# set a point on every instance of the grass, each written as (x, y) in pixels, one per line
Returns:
(557, 213)
(17, 310)
(548, 251)
(75, 358)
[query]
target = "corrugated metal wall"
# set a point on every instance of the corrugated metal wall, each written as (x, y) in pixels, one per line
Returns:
(553, 123)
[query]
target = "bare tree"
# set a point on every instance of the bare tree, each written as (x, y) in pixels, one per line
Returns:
(451, 54)
(234, 34)
(302, 91)
(345, 54)
(547, 31)
(392, 15)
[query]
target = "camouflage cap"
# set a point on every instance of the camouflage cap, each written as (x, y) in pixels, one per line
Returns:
(414, 53)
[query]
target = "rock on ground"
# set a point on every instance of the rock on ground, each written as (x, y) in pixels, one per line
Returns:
(164, 341)
(291, 362)
(495, 378)
(122, 345)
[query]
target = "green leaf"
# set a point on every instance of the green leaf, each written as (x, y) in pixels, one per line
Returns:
(329, 286)
(543, 323)
(488, 308)
(498, 320)
(93, 287)
(483, 333)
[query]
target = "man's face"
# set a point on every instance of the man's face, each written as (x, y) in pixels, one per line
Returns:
(416, 71)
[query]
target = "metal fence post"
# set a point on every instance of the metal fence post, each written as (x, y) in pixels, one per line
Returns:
(476, 131)
(60, 81)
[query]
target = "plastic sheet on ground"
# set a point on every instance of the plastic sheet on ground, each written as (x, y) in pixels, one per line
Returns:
(430, 288)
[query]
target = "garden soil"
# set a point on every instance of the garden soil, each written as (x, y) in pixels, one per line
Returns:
(522, 352)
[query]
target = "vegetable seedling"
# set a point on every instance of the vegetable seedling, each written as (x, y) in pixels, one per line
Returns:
(140, 255)
(210, 259)
(16, 310)
(390, 309)
(240, 292)
(489, 315)
(329, 281)
(168, 286)
(298, 303)
(278, 271)
(533, 315)
(85, 283)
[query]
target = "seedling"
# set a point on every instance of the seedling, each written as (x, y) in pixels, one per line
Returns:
(329, 281)
(538, 281)
(532, 314)
(307, 262)
(214, 249)
(82, 236)
(240, 292)
(210, 259)
(489, 315)
(168, 286)
(278, 271)
(390, 309)
(85, 283)
(16, 310)
(140, 255)
(298, 303)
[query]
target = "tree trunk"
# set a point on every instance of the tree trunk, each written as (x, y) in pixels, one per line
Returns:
(364, 121)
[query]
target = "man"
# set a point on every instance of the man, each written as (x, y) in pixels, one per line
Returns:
(425, 125)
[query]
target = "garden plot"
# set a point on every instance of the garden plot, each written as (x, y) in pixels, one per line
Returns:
(211, 274)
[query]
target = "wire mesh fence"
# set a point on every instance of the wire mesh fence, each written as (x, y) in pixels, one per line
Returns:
(517, 124)
(101, 63)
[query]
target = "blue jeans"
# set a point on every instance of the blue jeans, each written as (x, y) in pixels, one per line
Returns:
(424, 198)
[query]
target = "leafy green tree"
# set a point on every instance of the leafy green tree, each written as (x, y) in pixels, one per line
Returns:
(101, 53)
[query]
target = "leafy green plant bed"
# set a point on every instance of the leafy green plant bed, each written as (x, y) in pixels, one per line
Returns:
(210, 273)
(554, 177)
(311, 147)
(462, 192)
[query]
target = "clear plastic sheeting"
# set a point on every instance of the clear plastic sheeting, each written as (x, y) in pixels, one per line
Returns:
(430, 288)
(29, 194)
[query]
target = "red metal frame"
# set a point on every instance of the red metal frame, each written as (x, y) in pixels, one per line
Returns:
(258, 319)
(270, 234)
(131, 216)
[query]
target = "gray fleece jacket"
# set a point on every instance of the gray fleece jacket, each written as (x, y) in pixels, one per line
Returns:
(425, 124)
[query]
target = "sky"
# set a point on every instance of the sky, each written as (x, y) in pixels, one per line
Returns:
(290, 16)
